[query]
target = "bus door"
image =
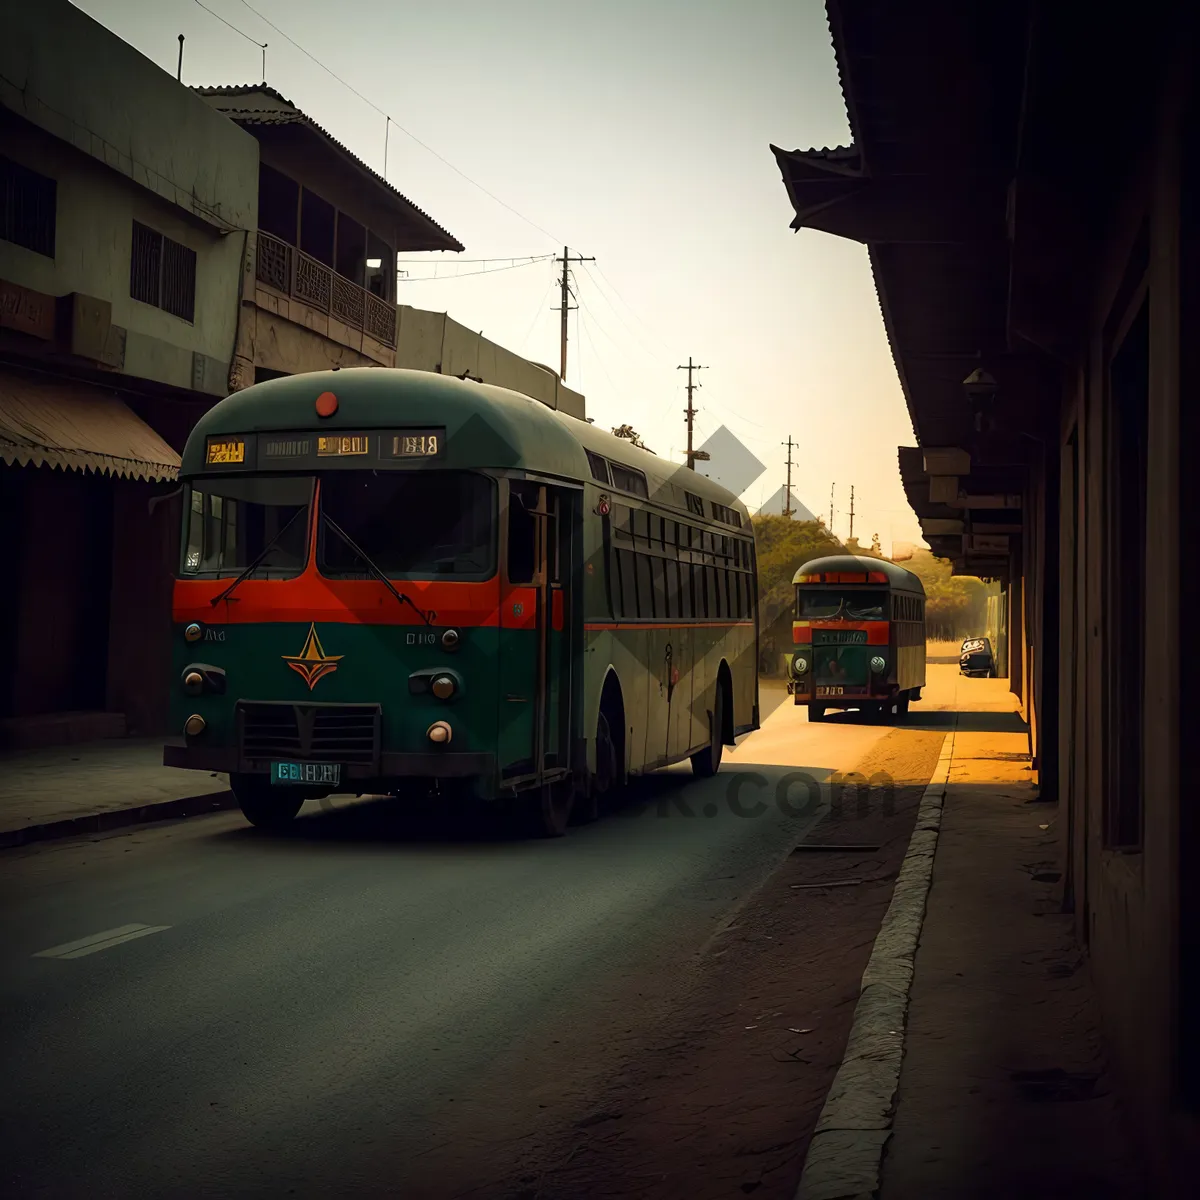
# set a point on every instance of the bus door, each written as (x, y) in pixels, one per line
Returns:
(535, 658)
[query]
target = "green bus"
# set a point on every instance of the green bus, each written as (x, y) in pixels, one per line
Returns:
(394, 582)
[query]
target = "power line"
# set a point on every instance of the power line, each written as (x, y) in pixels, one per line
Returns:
(587, 336)
(506, 258)
(463, 274)
(407, 133)
(537, 313)
(600, 292)
(230, 25)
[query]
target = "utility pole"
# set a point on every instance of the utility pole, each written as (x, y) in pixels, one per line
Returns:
(787, 502)
(567, 296)
(690, 412)
(832, 486)
(852, 512)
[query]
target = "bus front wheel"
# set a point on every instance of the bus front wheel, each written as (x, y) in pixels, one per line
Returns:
(816, 712)
(264, 806)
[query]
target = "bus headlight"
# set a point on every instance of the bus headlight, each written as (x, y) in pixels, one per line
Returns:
(439, 733)
(878, 665)
(799, 665)
(443, 687)
(194, 725)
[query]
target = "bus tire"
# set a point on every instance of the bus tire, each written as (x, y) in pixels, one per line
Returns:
(707, 762)
(816, 712)
(547, 809)
(262, 805)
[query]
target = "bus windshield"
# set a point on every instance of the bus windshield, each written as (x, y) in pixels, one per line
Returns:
(411, 524)
(230, 521)
(838, 604)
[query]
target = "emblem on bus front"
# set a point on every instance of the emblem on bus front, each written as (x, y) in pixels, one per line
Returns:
(312, 663)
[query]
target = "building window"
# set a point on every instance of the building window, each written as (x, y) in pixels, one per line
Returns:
(162, 272)
(28, 203)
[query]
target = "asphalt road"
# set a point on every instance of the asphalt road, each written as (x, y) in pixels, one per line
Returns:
(368, 1005)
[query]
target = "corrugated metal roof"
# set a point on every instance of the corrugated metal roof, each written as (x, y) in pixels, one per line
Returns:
(291, 115)
(48, 421)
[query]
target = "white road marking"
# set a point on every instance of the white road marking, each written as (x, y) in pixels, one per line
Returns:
(100, 941)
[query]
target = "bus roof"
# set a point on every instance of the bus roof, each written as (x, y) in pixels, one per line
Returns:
(897, 576)
(486, 426)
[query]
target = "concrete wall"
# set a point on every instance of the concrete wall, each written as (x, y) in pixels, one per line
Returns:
(1126, 898)
(70, 76)
(96, 208)
(430, 341)
(124, 142)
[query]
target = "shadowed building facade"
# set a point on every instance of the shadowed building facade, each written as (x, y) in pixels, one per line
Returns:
(1025, 177)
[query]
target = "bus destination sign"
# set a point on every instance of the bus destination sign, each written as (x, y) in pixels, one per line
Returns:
(225, 451)
(420, 443)
(354, 445)
(297, 450)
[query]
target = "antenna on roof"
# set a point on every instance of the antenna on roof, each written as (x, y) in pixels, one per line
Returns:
(179, 69)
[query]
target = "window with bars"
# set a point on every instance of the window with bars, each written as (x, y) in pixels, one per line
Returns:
(162, 272)
(28, 207)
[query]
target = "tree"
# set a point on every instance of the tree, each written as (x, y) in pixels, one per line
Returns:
(782, 547)
(876, 545)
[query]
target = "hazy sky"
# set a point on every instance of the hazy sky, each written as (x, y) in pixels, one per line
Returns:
(636, 132)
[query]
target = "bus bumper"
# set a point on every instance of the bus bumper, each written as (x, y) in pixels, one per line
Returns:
(453, 764)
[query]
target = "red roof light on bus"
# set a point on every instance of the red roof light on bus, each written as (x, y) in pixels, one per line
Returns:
(327, 404)
(876, 577)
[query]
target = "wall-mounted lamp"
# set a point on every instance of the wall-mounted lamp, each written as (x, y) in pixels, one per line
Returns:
(980, 388)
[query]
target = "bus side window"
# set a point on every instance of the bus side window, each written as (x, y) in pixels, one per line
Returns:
(629, 596)
(685, 590)
(659, 575)
(522, 542)
(644, 587)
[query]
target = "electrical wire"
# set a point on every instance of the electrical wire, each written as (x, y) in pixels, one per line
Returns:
(506, 258)
(407, 133)
(230, 25)
(540, 311)
(462, 275)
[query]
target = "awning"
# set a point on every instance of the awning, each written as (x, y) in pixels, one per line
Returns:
(55, 422)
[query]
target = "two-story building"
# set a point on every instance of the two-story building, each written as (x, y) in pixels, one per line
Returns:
(320, 276)
(127, 206)
(320, 268)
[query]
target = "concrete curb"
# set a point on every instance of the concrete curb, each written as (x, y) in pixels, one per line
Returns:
(118, 818)
(845, 1156)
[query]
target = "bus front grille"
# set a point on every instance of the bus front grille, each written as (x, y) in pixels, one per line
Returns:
(341, 733)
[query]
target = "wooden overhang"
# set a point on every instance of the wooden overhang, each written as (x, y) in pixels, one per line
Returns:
(981, 176)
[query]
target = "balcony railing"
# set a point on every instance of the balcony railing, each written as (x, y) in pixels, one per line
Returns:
(291, 271)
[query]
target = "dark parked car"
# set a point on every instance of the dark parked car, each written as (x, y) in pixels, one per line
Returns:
(975, 658)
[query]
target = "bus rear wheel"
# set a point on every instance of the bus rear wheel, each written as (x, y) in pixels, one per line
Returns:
(264, 806)
(707, 762)
(816, 712)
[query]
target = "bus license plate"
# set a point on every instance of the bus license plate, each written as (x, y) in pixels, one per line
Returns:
(830, 691)
(306, 774)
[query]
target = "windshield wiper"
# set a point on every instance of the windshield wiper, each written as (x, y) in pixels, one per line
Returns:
(258, 559)
(362, 554)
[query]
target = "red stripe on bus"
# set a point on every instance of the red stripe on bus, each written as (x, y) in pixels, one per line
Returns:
(611, 625)
(310, 597)
(556, 610)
